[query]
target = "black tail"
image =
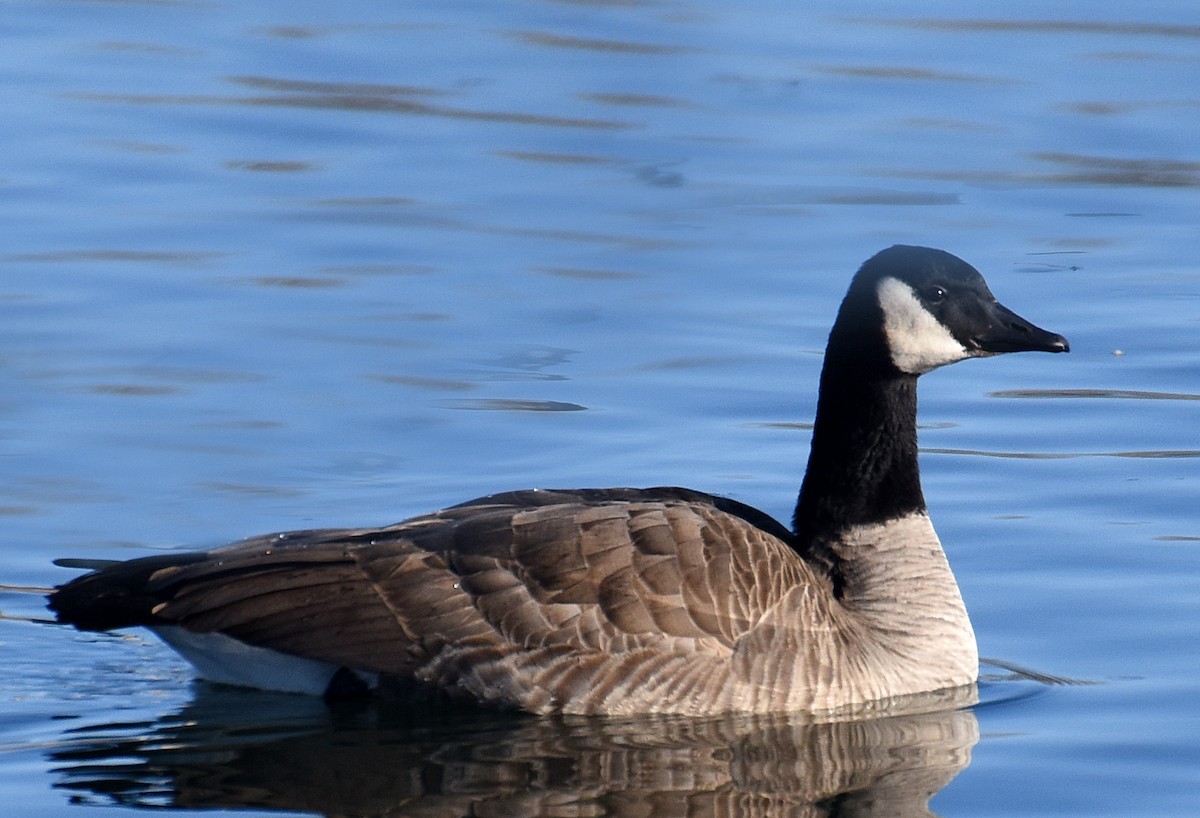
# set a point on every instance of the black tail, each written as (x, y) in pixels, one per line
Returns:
(116, 595)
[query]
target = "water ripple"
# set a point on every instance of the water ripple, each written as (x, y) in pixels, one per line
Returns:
(591, 44)
(1149, 454)
(513, 405)
(1045, 27)
(359, 102)
(1112, 394)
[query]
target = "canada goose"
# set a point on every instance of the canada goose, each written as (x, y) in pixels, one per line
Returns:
(621, 601)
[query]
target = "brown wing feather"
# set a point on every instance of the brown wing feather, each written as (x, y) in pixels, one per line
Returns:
(566, 594)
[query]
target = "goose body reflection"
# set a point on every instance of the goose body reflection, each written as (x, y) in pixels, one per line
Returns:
(380, 762)
(621, 601)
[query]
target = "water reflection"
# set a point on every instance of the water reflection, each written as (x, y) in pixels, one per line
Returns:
(233, 749)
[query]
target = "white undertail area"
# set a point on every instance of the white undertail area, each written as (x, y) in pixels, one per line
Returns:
(225, 660)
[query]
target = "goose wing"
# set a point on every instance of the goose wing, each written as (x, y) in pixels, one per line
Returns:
(598, 572)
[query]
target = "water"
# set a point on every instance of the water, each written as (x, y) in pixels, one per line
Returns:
(336, 264)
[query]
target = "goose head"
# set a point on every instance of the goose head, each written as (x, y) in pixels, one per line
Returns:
(913, 309)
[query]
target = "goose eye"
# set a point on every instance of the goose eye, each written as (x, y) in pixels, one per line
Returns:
(935, 294)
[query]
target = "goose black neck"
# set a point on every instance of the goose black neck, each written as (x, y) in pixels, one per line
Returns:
(863, 464)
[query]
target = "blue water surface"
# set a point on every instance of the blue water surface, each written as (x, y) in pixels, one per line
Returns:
(279, 266)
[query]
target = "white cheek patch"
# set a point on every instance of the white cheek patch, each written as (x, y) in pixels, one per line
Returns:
(917, 341)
